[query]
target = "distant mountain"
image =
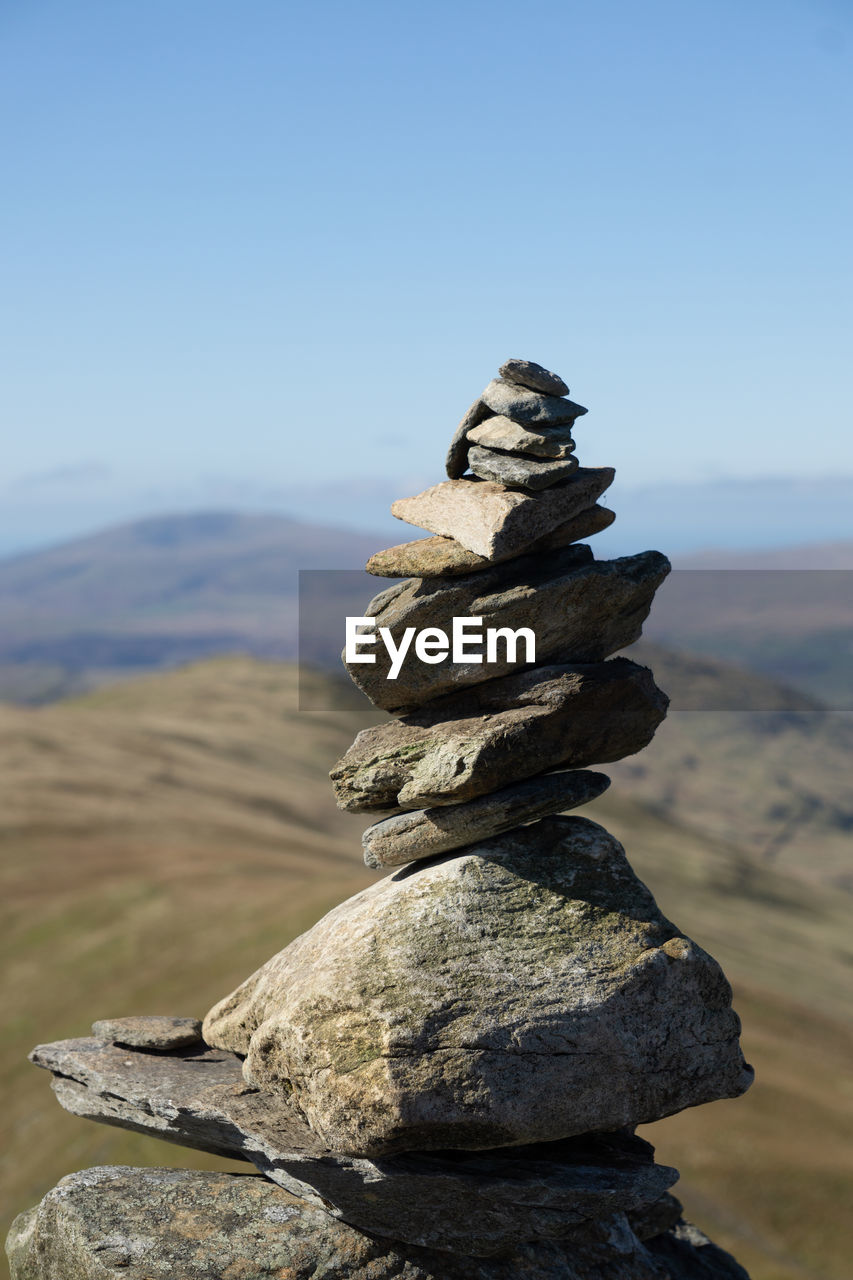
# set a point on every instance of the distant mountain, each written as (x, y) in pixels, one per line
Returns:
(781, 613)
(752, 763)
(815, 555)
(159, 592)
(730, 513)
(678, 517)
(170, 589)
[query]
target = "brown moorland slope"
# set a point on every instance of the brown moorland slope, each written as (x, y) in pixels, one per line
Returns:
(178, 588)
(163, 837)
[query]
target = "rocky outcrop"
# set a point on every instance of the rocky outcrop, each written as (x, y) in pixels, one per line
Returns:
(529, 473)
(158, 1034)
(510, 437)
(476, 742)
(442, 1077)
(522, 404)
(578, 609)
(423, 833)
(165, 1224)
(476, 1203)
(498, 522)
(447, 558)
(527, 989)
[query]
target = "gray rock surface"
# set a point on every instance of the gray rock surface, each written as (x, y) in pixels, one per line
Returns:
(149, 1032)
(685, 1253)
(477, 1203)
(497, 522)
(482, 739)
(521, 991)
(579, 610)
(408, 837)
(527, 373)
(510, 437)
(119, 1223)
(456, 463)
(524, 473)
(446, 558)
(530, 407)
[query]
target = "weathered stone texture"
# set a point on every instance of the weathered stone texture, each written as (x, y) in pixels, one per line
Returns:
(510, 437)
(497, 522)
(527, 373)
(529, 407)
(118, 1223)
(525, 990)
(456, 463)
(446, 558)
(476, 1203)
(477, 741)
(407, 837)
(149, 1032)
(523, 473)
(579, 609)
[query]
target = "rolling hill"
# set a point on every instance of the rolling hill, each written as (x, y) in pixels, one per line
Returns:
(156, 593)
(171, 589)
(160, 838)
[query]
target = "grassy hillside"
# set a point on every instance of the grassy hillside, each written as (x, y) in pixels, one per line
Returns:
(159, 592)
(811, 555)
(162, 838)
(753, 763)
(792, 625)
(174, 589)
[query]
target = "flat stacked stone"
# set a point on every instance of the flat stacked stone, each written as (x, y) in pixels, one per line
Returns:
(447, 558)
(502, 434)
(497, 522)
(441, 1079)
(477, 1203)
(408, 836)
(581, 610)
(523, 412)
(171, 1224)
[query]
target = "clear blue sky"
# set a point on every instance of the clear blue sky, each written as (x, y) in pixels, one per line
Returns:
(259, 247)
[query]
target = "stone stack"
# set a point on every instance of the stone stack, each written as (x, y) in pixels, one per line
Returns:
(441, 1079)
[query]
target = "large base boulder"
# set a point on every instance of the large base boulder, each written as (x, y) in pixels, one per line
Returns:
(163, 1224)
(524, 990)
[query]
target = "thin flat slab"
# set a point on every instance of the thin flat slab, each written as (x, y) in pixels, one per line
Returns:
(475, 1203)
(149, 1032)
(577, 609)
(119, 1223)
(497, 522)
(496, 734)
(523, 473)
(524, 989)
(511, 437)
(456, 463)
(527, 373)
(529, 407)
(446, 558)
(408, 837)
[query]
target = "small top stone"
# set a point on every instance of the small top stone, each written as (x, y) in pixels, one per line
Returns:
(526, 373)
(530, 408)
(151, 1032)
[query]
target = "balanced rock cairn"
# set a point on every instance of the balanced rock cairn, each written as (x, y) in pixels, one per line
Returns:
(441, 1079)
